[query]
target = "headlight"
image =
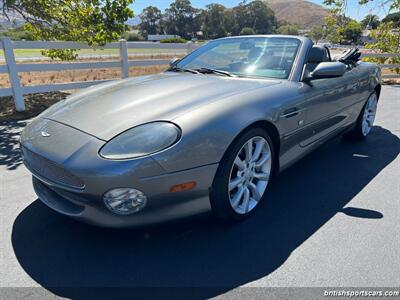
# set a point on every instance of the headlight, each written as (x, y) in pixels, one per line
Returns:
(141, 140)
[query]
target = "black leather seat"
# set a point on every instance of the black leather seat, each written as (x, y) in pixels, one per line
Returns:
(316, 56)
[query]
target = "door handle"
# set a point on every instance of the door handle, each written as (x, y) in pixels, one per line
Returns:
(291, 112)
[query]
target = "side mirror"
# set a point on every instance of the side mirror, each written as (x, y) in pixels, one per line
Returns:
(329, 70)
(173, 61)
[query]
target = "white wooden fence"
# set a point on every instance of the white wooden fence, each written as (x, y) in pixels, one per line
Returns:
(13, 68)
(17, 91)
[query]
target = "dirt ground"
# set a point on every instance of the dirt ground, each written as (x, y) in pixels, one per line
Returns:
(39, 78)
(34, 103)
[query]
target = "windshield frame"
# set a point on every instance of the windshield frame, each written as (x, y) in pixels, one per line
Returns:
(293, 67)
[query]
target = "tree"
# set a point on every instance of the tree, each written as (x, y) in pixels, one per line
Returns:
(247, 31)
(317, 33)
(96, 22)
(18, 33)
(387, 35)
(342, 4)
(394, 18)
(387, 41)
(370, 22)
(256, 15)
(150, 20)
(181, 19)
(239, 18)
(346, 32)
(214, 21)
(262, 16)
(341, 29)
(288, 29)
(335, 25)
(351, 32)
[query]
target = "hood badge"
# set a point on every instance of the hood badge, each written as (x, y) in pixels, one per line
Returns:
(45, 134)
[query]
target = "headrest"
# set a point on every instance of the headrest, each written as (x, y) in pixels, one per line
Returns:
(317, 55)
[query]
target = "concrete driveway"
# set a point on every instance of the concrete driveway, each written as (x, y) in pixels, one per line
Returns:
(333, 219)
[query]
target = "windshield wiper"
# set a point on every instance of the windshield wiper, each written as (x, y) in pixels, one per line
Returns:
(178, 69)
(213, 71)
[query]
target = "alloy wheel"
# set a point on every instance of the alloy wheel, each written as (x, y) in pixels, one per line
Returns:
(369, 114)
(250, 174)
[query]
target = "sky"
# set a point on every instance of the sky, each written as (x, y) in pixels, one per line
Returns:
(354, 10)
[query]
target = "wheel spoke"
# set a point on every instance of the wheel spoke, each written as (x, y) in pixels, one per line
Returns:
(261, 176)
(257, 152)
(246, 200)
(254, 191)
(365, 127)
(234, 183)
(237, 197)
(262, 160)
(369, 115)
(239, 163)
(249, 150)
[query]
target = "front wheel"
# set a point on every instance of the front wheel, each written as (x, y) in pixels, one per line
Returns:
(366, 119)
(243, 176)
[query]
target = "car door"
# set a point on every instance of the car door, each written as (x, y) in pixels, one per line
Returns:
(328, 101)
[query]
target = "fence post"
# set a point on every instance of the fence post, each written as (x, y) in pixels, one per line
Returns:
(13, 74)
(123, 54)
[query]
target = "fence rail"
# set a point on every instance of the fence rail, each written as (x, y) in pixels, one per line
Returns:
(13, 68)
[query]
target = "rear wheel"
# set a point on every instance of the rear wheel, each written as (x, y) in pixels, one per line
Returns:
(365, 121)
(243, 176)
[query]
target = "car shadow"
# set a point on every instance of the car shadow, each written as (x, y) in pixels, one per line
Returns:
(201, 257)
(9, 143)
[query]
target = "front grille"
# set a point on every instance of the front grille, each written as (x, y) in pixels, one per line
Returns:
(50, 170)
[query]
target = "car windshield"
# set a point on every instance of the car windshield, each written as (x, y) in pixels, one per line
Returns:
(271, 57)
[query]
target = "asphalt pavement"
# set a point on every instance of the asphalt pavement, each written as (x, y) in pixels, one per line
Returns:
(331, 220)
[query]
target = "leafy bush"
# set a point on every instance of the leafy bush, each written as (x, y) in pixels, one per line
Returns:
(387, 39)
(17, 34)
(247, 31)
(393, 17)
(173, 40)
(288, 29)
(133, 37)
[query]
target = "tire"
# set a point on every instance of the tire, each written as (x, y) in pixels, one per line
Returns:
(365, 120)
(254, 176)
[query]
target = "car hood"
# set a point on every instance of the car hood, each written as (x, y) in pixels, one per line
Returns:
(108, 109)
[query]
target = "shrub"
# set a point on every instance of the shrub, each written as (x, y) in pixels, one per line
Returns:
(133, 37)
(17, 34)
(173, 40)
(247, 31)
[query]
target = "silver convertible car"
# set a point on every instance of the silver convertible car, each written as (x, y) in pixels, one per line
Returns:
(208, 133)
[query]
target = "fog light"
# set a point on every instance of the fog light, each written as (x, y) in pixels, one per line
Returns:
(125, 201)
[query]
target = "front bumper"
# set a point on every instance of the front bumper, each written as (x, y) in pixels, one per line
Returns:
(71, 178)
(161, 205)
